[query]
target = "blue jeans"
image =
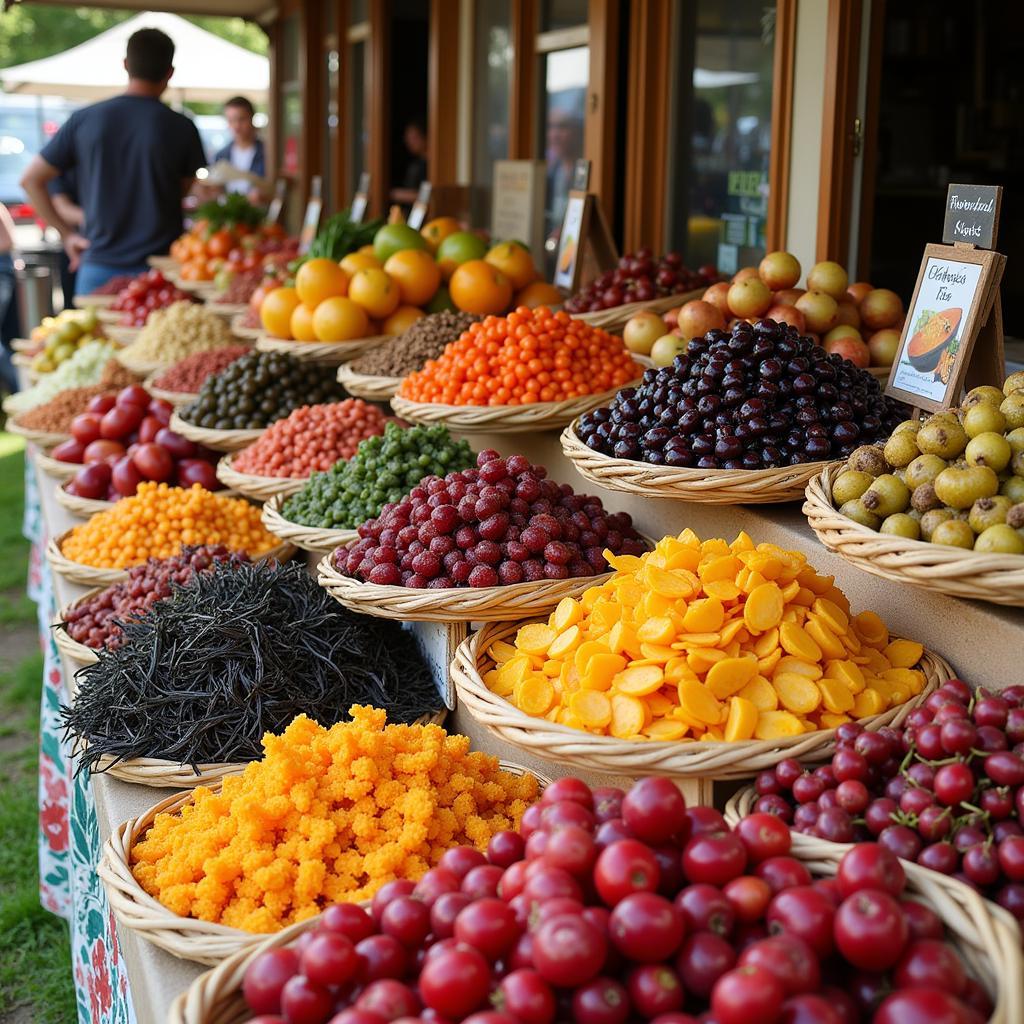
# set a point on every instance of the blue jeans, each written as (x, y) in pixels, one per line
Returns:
(92, 275)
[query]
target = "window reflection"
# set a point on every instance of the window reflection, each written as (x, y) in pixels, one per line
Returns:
(493, 78)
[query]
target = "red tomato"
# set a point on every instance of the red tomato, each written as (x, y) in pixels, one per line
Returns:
(705, 908)
(349, 920)
(302, 1002)
(388, 998)
(601, 1001)
(714, 858)
(655, 989)
(126, 477)
(568, 951)
(455, 983)
(329, 959)
(92, 481)
(703, 959)
(624, 867)
(69, 451)
(764, 836)
(134, 394)
(120, 421)
(810, 1009)
(749, 897)
(85, 427)
(646, 927)
(921, 1006)
(790, 959)
(870, 930)
(102, 450)
(654, 810)
(266, 976)
(488, 925)
(927, 963)
(805, 912)
(149, 428)
(747, 994)
(783, 873)
(197, 471)
(101, 404)
(527, 996)
(870, 866)
(153, 461)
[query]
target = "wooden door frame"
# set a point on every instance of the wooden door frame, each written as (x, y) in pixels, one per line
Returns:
(869, 161)
(442, 93)
(379, 107)
(842, 76)
(783, 71)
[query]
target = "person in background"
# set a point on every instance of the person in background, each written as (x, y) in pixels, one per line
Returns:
(245, 151)
(414, 135)
(64, 194)
(134, 159)
(9, 318)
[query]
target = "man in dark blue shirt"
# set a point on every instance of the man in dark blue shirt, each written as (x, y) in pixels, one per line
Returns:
(134, 159)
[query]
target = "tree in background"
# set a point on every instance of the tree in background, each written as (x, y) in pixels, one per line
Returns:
(31, 31)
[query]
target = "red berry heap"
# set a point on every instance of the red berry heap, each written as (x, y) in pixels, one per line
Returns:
(140, 296)
(499, 524)
(946, 791)
(94, 622)
(639, 277)
(608, 908)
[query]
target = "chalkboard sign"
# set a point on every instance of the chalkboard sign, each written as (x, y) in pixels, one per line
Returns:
(972, 214)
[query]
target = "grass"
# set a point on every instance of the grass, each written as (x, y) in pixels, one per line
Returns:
(35, 953)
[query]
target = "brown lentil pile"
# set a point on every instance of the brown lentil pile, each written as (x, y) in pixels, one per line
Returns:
(426, 339)
(56, 415)
(188, 375)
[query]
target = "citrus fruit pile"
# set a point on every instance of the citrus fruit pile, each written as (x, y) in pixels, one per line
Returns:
(385, 287)
(529, 356)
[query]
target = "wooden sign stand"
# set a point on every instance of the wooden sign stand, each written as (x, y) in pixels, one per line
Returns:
(585, 245)
(311, 218)
(964, 275)
(357, 211)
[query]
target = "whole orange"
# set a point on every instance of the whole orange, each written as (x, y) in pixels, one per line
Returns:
(437, 230)
(339, 319)
(514, 262)
(276, 311)
(358, 261)
(401, 320)
(539, 293)
(477, 287)
(417, 274)
(375, 291)
(319, 279)
(302, 323)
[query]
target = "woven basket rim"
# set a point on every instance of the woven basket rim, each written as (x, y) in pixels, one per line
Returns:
(618, 315)
(43, 438)
(174, 397)
(709, 486)
(366, 385)
(241, 331)
(55, 468)
(583, 751)
(453, 604)
(259, 488)
(143, 368)
(984, 576)
(502, 418)
(330, 353)
(990, 944)
(309, 538)
(228, 309)
(160, 262)
(184, 937)
(218, 440)
(78, 506)
(92, 301)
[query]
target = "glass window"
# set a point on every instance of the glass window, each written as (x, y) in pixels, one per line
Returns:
(492, 61)
(565, 75)
(357, 113)
(721, 131)
(556, 14)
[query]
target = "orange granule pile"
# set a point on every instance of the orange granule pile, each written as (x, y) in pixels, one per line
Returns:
(529, 356)
(158, 520)
(327, 815)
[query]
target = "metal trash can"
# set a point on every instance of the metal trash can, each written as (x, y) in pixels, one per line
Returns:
(35, 294)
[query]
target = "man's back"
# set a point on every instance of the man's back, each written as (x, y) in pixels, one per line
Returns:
(132, 155)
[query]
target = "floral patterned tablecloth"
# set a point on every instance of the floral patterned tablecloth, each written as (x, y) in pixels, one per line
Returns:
(69, 838)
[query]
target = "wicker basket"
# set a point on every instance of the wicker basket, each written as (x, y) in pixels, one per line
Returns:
(75, 652)
(109, 316)
(708, 486)
(125, 336)
(945, 570)
(330, 353)
(500, 419)
(239, 330)
(88, 575)
(584, 751)
(163, 263)
(92, 301)
(43, 438)
(218, 440)
(309, 538)
(454, 604)
(200, 289)
(184, 937)
(228, 310)
(81, 507)
(987, 941)
(174, 397)
(366, 386)
(614, 319)
(259, 488)
(54, 468)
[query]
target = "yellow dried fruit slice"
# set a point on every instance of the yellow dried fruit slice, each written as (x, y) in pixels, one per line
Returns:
(592, 707)
(867, 703)
(690, 640)
(623, 563)
(697, 700)
(552, 669)
(658, 630)
(678, 668)
(600, 670)
(767, 642)
(666, 730)
(702, 658)
(705, 616)
(767, 665)
(659, 705)
(834, 616)
(567, 613)
(820, 633)
(657, 653)
(830, 721)
(565, 643)
(760, 693)
(798, 665)
(848, 673)
(742, 720)
(764, 607)
(722, 567)
(671, 582)
(622, 640)
(871, 629)
(587, 650)
(628, 717)
(723, 590)
(731, 632)
(628, 591)
(903, 653)
(639, 680)
(501, 651)
(515, 670)
(776, 725)
(535, 638)
(797, 693)
(836, 697)
(605, 614)
(797, 641)
(534, 694)
(726, 677)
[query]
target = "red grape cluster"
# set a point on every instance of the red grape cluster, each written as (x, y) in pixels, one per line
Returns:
(946, 792)
(141, 295)
(94, 622)
(124, 439)
(610, 907)
(114, 285)
(640, 278)
(501, 523)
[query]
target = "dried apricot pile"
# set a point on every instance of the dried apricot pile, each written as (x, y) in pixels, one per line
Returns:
(708, 641)
(529, 356)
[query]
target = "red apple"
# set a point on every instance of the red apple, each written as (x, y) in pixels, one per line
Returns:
(744, 273)
(850, 348)
(787, 315)
(779, 270)
(696, 318)
(819, 310)
(858, 290)
(788, 296)
(847, 312)
(718, 295)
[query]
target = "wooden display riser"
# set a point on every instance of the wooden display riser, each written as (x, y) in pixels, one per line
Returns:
(981, 641)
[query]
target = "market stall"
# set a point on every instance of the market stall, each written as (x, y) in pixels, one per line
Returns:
(660, 586)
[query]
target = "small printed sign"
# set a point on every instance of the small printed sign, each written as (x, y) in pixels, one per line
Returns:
(360, 200)
(418, 213)
(517, 208)
(972, 214)
(569, 242)
(951, 301)
(581, 176)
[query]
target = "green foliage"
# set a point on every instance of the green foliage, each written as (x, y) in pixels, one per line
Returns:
(30, 31)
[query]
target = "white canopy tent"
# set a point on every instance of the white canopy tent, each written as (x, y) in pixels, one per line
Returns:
(207, 69)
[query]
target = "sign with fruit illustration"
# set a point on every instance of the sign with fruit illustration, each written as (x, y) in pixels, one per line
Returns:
(954, 293)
